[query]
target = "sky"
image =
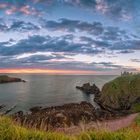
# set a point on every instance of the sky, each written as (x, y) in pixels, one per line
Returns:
(69, 36)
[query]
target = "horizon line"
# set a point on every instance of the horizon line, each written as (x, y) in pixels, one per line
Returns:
(43, 70)
(52, 71)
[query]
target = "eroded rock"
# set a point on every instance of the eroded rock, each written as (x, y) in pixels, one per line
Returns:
(90, 89)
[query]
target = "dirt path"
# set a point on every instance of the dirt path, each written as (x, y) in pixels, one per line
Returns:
(111, 125)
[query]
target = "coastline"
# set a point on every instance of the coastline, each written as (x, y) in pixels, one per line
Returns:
(69, 115)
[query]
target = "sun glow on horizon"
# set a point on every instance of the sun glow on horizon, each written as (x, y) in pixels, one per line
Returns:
(45, 70)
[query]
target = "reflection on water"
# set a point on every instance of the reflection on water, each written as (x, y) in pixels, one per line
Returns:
(48, 90)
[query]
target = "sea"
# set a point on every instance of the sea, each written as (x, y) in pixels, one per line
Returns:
(48, 90)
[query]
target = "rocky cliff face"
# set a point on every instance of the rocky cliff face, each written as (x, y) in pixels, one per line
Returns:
(123, 93)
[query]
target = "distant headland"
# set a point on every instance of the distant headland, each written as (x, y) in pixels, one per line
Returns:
(7, 79)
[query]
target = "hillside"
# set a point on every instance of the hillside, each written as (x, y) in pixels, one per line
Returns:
(122, 93)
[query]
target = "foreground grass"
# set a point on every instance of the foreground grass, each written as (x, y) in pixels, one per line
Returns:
(10, 131)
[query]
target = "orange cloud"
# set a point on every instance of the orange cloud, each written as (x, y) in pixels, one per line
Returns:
(50, 71)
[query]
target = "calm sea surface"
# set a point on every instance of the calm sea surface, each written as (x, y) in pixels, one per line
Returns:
(47, 90)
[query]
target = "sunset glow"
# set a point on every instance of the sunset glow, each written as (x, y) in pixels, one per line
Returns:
(49, 71)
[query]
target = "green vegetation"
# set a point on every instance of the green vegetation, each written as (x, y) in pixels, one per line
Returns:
(137, 120)
(122, 93)
(124, 134)
(11, 131)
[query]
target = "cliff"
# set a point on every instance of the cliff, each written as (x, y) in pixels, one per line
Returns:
(122, 93)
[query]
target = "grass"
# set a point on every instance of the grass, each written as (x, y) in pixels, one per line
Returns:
(137, 120)
(11, 131)
(136, 107)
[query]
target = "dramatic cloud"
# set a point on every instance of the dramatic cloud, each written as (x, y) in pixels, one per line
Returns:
(39, 43)
(97, 35)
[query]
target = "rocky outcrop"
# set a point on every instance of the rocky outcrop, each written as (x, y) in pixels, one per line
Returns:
(61, 116)
(121, 94)
(90, 89)
(7, 79)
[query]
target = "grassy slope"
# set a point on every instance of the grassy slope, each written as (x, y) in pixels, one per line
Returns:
(121, 89)
(10, 131)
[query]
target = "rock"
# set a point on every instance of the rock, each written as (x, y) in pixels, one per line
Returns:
(2, 106)
(35, 109)
(57, 116)
(87, 88)
(7, 79)
(54, 117)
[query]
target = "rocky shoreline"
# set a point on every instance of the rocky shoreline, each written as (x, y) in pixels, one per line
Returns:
(7, 79)
(48, 118)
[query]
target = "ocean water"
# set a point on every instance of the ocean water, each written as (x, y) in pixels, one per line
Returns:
(48, 90)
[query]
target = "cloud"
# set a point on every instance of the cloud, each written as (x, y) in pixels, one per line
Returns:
(59, 53)
(135, 60)
(109, 33)
(111, 39)
(52, 62)
(3, 27)
(119, 9)
(11, 10)
(126, 45)
(22, 26)
(125, 51)
(47, 43)
(3, 5)
(116, 9)
(74, 26)
(17, 26)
